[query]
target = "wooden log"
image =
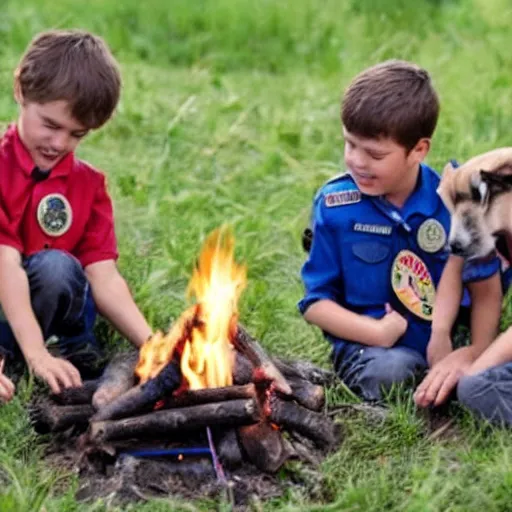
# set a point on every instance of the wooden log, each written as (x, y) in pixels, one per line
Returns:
(265, 368)
(170, 421)
(77, 396)
(263, 446)
(142, 398)
(48, 417)
(205, 396)
(117, 379)
(304, 392)
(228, 448)
(291, 416)
(306, 371)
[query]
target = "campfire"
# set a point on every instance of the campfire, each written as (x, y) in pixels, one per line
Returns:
(206, 379)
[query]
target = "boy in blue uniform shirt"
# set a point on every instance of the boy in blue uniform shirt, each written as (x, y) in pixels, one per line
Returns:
(378, 237)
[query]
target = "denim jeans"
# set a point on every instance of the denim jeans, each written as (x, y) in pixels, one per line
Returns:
(370, 370)
(489, 393)
(63, 305)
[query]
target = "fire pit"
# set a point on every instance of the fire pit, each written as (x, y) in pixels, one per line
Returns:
(204, 391)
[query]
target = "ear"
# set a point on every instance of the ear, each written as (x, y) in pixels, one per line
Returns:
(420, 150)
(18, 96)
(496, 182)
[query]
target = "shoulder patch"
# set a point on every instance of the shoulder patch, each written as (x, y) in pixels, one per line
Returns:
(342, 198)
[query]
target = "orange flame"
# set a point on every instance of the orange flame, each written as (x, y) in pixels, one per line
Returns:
(201, 336)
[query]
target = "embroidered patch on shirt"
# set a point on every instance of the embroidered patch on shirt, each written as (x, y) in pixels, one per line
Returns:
(342, 198)
(54, 214)
(412, 283)
(431, 236)
(374, 229)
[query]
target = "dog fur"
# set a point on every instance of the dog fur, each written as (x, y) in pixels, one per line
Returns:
(478, 195)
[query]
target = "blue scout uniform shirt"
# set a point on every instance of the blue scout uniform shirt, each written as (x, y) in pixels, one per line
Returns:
(367, 252)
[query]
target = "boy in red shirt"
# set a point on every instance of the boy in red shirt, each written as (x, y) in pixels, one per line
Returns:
(58, 247)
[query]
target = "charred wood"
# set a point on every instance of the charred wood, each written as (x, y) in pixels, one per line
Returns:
(208, 395)
(142, 398)
(291, 416)
(228, 448)
(166, 422)
(264, 446)
(304, 392)
(49, 417)
(77, 396)
(117, 379)
(265, 369)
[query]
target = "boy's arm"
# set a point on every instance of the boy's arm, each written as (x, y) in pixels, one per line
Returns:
(446, 308)
(6, 385)
(343, 323)
(15, 301)
(486, 299)
(115, 301)
(500, 352)
(323, 280)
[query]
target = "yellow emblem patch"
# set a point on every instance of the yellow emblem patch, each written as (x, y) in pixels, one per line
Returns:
(412, 284)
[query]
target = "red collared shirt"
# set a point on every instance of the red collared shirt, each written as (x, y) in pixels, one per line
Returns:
(70, 210)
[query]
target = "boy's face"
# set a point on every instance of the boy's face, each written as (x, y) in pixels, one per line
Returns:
(382, 166)
(48, 131)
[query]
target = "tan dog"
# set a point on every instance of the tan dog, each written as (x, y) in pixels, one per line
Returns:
(478, 195)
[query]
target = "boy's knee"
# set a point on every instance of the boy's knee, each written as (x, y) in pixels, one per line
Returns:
(53, 271)
(398, 366)
(386, 368)
(468, 389)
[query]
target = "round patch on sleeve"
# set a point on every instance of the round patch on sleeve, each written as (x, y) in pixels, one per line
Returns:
(412, 284)
(431, 236)
(54, 214)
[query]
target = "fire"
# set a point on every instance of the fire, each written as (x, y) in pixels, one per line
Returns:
(201, 336)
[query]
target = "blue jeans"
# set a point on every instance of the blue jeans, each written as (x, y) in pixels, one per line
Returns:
(63, 305)
(369, 371)
(489, 393)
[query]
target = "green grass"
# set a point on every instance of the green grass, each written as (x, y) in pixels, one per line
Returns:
(230, 114)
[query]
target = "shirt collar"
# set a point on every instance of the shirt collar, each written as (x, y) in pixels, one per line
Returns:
(26, 162)
(424, 197)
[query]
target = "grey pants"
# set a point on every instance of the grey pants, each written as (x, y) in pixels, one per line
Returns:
(370, 370)
(489, 394)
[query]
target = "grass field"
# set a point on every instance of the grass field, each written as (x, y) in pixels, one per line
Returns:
(230, 114)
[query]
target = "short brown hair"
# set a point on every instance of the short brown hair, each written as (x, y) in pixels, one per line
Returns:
(75, 66)
(393, 99)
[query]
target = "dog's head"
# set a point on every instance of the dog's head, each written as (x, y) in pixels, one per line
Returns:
(478, 194)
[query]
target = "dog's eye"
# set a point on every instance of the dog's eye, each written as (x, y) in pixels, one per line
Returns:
(480, 193)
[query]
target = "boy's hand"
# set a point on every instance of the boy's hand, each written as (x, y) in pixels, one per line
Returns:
(57, 373)
(439, 346)
(443, 377)
(6, 385)
(393, 326)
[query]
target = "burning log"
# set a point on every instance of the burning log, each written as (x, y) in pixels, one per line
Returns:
(264, 446)
(142, 398)
(163, 423)
(208, 395)
(291, 416)
(77, 396)
(265, 368)
(117, 379)
(304, 392)
(49, 417)
(305, 370)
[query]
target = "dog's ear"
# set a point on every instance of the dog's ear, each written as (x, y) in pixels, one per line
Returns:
(446, 186)
(493, 183)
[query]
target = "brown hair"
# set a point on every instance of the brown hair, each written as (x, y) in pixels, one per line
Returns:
(75, 66)
(393, 99)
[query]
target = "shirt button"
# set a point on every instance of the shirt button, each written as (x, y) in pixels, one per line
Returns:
(47, 246)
